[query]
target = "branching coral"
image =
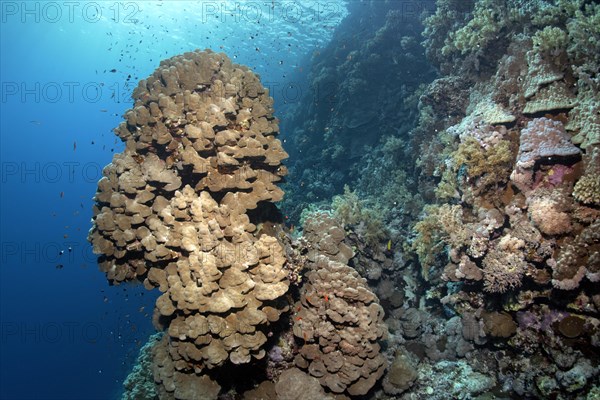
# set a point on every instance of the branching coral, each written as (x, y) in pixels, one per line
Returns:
(440, 226)
(551, 40)
(488, 19)
(587, 189)
(350, 210)
(502, 270)
(490, 166)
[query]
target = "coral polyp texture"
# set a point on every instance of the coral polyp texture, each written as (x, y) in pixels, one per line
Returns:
(182, 209)
(447, 238)
(542, 140)
(338, 317)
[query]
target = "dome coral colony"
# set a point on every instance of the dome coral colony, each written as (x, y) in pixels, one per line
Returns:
(184, 209)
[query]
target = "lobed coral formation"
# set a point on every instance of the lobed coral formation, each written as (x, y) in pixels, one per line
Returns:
(185, 208)
(487, 265)
(506, 170)
(338, 318)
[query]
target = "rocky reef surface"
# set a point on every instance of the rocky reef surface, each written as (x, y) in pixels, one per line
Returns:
(477, 225)
(444, 184)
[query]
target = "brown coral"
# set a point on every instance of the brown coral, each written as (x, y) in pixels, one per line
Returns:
(587, 189)
(578, 258)
(173, 210)
(548, 217)
(340, 322)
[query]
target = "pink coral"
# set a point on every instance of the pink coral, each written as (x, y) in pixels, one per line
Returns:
(552, 177)
(542, 140)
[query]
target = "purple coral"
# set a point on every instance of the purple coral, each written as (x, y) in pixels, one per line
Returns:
(544, 138)
(276, 354)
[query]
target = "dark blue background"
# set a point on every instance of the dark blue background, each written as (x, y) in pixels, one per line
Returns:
(65, 334)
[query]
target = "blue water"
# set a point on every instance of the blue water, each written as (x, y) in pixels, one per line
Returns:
(67, 71)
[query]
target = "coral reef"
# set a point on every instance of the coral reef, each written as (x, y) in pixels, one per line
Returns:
(489, 202)
(342, 112)
(338, 318)
(139, 384)
(514, 244)
(471, 231)
(187, 209)
(542, 140)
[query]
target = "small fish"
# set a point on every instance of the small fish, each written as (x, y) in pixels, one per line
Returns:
(59, 266)
(389, 245)
(35, 122)
(62, 194)
(103, 110)
(113, 70)
(74, 146)
(70, 249)
(60, 253)
(65, 236)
